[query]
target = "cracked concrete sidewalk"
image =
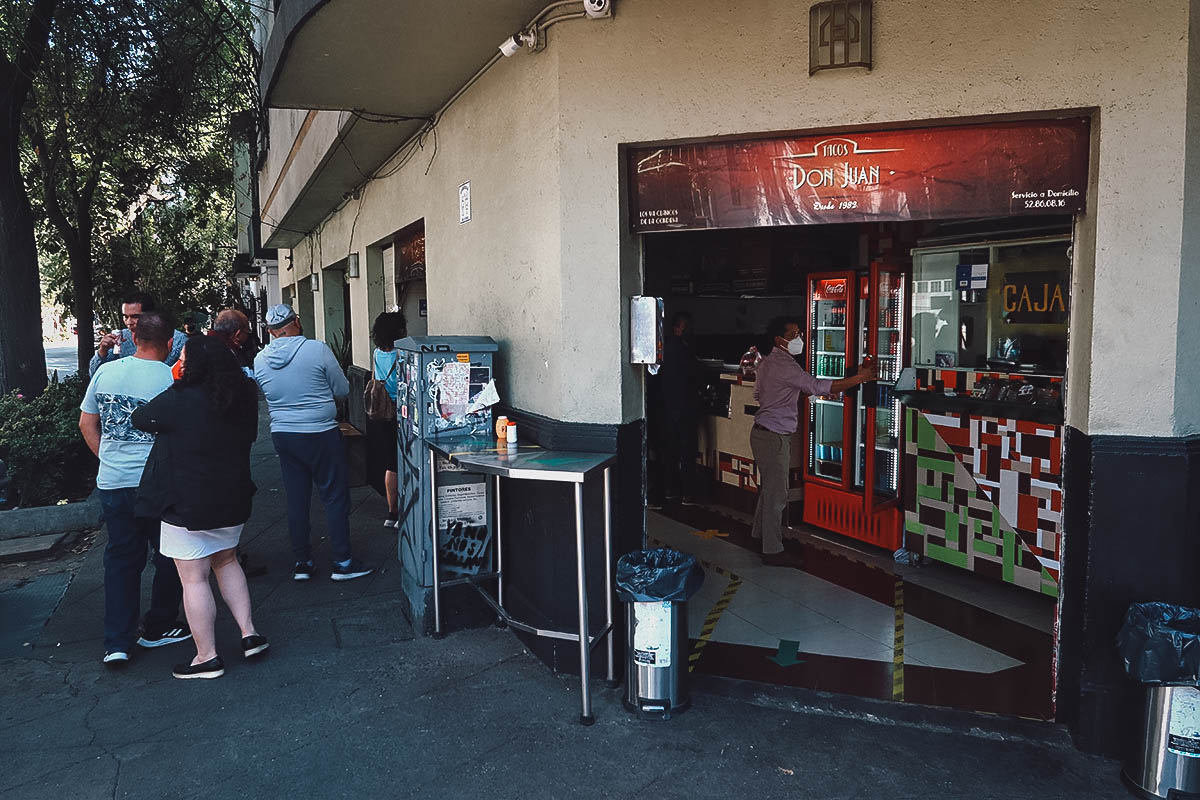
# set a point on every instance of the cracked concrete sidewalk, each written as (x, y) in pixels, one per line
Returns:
(350, 704)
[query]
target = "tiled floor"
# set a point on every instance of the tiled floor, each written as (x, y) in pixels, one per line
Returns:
(841, 611)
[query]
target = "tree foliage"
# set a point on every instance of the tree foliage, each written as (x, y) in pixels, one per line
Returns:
(128, 150)
(177, 245)
(41, 446)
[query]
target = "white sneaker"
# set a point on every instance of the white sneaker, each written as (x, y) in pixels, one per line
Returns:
(116, 658)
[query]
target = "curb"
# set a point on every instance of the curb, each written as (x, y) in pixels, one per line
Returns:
(22, 522)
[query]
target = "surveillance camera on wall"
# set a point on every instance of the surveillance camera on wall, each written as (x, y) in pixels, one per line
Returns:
(513, 44)
(597, 9)
(510, 46)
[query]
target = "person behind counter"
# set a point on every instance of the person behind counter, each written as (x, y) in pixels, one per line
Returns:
(779, 382)
(679, 411)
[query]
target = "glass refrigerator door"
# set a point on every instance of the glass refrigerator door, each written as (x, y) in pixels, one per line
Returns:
(830, 321)
(862, 304)
(886, 337)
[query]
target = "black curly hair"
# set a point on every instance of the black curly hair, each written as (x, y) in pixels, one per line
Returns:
(209, 364)
(389, 326)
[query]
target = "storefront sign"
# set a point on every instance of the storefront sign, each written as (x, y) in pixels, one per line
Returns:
(1035, 297)
(1001, 169)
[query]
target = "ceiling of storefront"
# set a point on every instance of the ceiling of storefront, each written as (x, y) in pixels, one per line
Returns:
(384, 59)
(383, 56)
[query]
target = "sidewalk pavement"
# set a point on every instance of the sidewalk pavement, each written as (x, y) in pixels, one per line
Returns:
(349, 703)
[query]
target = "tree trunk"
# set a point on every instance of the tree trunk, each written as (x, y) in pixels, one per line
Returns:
(84, 309)
(22, 357)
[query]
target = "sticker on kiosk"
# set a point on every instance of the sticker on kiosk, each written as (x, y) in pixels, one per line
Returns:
(463, 358)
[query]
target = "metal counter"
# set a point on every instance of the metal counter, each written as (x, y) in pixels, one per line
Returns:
(486, 456)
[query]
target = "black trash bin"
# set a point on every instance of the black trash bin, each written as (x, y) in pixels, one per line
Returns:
(655, 586)
(1160, 645)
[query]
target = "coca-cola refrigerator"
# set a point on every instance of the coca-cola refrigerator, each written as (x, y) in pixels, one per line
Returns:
(852, 439)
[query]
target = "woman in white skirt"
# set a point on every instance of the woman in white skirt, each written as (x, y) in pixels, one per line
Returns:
(197, 481)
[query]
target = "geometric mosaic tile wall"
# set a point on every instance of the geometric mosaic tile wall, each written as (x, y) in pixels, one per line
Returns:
(736, 471)
(985, 494)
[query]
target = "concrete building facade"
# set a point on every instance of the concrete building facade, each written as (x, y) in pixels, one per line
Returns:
(379, 115)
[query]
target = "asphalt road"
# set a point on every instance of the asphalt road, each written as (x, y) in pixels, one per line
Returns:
(61, 357)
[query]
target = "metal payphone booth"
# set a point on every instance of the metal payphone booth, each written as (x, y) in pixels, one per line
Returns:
(442, 388)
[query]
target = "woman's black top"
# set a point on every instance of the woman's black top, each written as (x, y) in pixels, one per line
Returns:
(198, 472)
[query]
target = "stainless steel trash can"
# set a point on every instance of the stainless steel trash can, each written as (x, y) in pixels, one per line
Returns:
(1167, 762)
(657, 658)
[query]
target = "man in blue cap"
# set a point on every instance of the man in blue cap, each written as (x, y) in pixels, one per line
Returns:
(301, 379)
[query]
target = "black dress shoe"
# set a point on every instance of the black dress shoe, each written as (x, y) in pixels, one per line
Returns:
(213, 668)
(253, 645)
(783, 559)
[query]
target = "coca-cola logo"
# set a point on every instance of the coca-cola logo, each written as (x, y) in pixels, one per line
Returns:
(832, 288)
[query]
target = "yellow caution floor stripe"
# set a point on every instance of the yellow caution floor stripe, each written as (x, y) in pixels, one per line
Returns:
(714, 614)
(898, 645)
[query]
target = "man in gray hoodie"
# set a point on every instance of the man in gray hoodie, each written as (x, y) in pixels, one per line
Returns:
(300, 378)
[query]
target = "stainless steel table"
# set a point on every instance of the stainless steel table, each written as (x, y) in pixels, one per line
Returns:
(487, 456)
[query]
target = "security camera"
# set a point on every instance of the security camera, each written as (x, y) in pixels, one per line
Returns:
(513, 44)
(597, 9)
(510, 47)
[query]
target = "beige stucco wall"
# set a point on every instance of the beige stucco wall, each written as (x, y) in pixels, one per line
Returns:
(742, 67)
(497, 275)
(286, 125)
(547, 263)
(1187, 384)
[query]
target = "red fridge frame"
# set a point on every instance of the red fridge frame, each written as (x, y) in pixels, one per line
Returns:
(840, 506)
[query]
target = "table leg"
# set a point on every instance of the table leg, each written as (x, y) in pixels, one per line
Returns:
(499, 550)
(608, 576)
(433, 536)
(585, 717)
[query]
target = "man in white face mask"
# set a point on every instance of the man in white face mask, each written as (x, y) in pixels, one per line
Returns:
(778, 385)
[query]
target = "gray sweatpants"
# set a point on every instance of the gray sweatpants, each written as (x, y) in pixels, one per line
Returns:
(773, 458)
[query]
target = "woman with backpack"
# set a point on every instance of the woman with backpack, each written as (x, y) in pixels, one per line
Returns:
(197, 481)
(381, 415)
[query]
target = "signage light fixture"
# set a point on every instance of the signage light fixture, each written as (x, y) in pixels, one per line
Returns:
(839, 35)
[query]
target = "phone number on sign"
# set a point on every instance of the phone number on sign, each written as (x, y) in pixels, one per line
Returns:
(1052, 202)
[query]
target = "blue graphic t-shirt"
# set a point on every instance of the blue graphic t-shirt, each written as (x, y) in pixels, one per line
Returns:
(117, 390)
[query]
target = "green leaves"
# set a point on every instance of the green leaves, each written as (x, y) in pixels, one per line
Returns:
(128, 148)
(41, 445)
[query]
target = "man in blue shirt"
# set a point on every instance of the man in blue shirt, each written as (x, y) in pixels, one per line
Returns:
(300, 379)
(116, 390)
(122, 343)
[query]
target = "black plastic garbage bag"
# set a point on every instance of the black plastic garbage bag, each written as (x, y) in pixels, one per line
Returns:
(662, 574)
(1160, 643)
